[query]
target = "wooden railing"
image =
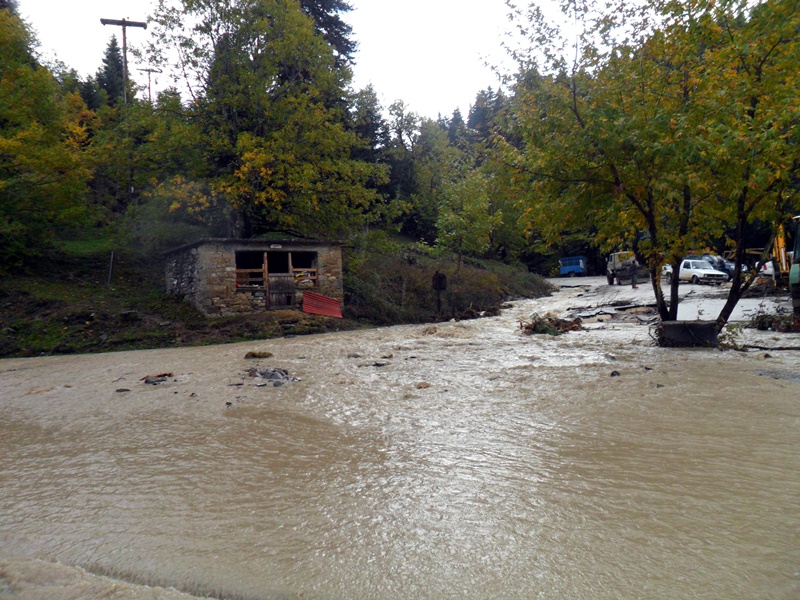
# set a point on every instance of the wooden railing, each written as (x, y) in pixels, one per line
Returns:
(250, 278)
(281, 286)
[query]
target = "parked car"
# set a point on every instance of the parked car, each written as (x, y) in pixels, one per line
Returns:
(767, 270)
(666, 269)
(700, 271)
(721, 264)
(730, 266)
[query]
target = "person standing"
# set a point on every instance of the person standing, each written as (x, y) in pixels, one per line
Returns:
(633, 271)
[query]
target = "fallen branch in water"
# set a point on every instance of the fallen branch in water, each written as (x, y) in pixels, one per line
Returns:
(776, 348)
(549, 324)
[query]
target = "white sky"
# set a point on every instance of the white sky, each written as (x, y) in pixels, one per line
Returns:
(429, 53)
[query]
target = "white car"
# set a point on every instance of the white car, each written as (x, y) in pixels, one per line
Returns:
(767, 270)
(696, 271)
(701, 271)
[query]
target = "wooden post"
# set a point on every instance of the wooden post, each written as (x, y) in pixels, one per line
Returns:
(110, 267)
(124, 23)
(266, 281)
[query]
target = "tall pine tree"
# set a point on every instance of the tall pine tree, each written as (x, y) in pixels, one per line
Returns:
(328, 23)
(10, 5)
(111, 76)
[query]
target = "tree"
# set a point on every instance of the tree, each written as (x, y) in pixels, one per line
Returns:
(403, 130)
(483, 114)
(457, 131)
(665, 125)
(269, 94)
(509, 240)
(436, 163)
(366, 119)
(756, 153)
(178, 204)
(329, 25)
(111, 76)
(42, 136)
(10, 5)
(464, 224)
(90, 92)
(487, 121)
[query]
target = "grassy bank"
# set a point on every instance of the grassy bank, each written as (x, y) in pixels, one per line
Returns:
(78, 302)
(396, 286)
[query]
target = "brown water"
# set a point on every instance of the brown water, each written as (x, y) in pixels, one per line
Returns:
(467, 461)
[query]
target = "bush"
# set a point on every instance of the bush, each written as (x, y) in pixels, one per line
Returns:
(388, 282)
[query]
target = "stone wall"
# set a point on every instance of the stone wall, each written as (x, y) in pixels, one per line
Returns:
(205, 274)
(329, 263)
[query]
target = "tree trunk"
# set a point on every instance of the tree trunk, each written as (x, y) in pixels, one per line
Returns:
(673, 292)
(655, 280)
(739, 287)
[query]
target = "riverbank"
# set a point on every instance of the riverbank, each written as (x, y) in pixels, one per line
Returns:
(77, 305)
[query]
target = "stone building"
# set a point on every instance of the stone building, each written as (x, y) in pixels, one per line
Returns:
(229, 276)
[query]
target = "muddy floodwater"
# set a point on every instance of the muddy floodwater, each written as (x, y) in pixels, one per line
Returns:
(461, 460)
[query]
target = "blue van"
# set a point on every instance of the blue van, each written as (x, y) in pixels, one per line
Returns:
(571, 266)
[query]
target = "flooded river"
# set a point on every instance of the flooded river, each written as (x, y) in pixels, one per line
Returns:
(462, 460)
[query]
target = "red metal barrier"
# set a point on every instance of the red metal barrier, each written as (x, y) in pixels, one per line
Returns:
(317, 304)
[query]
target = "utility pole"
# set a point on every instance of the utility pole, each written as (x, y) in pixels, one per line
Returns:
(124, 23)
(149, 71)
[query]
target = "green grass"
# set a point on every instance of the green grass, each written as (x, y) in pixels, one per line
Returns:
(92, 243)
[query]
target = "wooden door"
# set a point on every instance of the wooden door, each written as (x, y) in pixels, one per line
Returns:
(281, 290)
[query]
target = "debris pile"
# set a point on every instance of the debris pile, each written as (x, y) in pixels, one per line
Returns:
(255, 354)
(549, 324)
(274, 376)
(467, 314)
(156, 379)
(764, 288)
(780, 323)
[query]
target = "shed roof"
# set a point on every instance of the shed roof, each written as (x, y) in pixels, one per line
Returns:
(256, 243)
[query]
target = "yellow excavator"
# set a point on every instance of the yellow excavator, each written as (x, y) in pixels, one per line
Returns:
(781, 256)
(777, 261)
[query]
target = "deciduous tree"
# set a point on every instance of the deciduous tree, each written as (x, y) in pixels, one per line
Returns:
(672, 119)
(464, 222)
(42, 172)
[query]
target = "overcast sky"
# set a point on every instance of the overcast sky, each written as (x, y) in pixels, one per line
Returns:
(429, 53)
